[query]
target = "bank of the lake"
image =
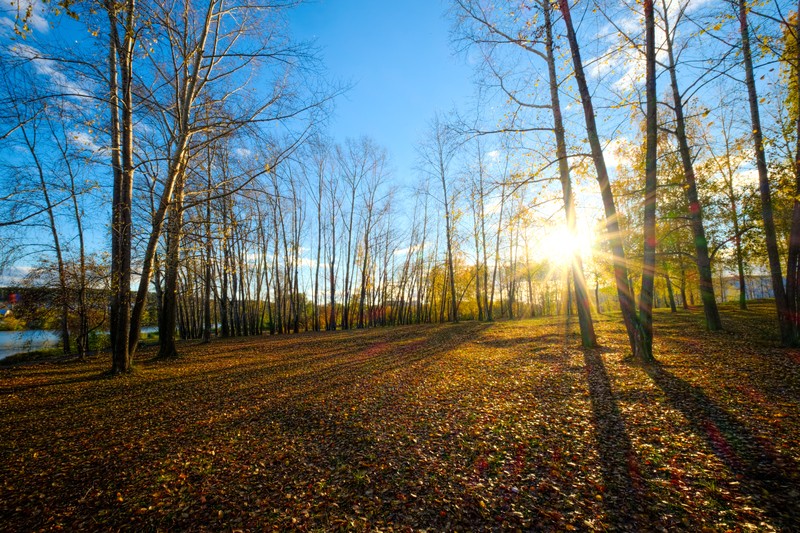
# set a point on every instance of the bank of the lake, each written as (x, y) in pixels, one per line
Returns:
(27, 340)
(32, 340)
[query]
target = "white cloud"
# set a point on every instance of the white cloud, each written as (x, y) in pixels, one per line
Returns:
(407, 250)
(304, 261)
(600, 67)
(84, 139)
(243, 153)
(613, 152)
(17, 10)
(49, 69)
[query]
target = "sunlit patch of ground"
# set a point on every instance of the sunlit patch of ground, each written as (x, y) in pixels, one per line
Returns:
(452, 427)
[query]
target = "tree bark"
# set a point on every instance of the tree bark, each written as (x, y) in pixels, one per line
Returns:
(588, 336)
(650, 187)
(632, 326)
(781, 304)
(167, 320)
(121, 103)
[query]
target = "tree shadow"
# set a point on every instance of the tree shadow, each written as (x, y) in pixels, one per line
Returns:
(19, 388)
(250, 407)
(536, 343)
(625, 488)
(766, 476)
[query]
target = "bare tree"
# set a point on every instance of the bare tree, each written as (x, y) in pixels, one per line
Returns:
(437, 154)
(624, 293)
(650, 186)
(536, 42)
(123, 31)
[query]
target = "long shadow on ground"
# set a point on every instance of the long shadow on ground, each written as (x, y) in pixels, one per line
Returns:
(766, 476)
(626, 492)
(202, 438)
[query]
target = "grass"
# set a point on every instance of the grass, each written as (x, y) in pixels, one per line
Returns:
(98, 342)
(47, 354)
(471, 426)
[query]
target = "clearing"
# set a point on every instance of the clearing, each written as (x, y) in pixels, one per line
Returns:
(471, 426)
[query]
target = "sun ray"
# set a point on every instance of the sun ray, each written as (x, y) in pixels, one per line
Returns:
(559, 246)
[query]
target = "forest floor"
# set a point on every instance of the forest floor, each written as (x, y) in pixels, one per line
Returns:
(472, 426)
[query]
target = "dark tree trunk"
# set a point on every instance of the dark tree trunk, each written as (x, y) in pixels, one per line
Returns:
(167, 320)
(703, 259)
(670, 293)
(632, 326)
(588, 336)
(793, 262)
(650, 186)
(773, 256)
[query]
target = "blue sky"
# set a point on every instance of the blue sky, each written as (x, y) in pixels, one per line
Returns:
(399, 60)
(396, 57)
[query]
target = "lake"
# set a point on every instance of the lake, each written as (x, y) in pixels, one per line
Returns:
(29, 340)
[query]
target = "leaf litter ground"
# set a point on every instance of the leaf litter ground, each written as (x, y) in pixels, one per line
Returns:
(472, 426)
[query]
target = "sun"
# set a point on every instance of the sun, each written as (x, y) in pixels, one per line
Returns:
(559, 246)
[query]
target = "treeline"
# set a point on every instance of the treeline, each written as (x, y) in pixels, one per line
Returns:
(324, 244)
(202, 125)
(38, 306)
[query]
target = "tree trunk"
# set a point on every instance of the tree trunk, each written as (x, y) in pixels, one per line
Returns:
(597, 293)
(207, 269)
(782, 308)
(490, 306)
(320, 183)
(793, 262)
(632, 326)
(331, 326)
(703, 260)
(588, 336)
(167, 320)
(121, 102)
(650, 187)
(364, 274)
(670, 292)
(476, 238)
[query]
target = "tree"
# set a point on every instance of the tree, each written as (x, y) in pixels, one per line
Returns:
(792, 38)
(725, 161)
(437, 154)
(204, 63)
(315, 177)
(537, 42)
(650, 186)
(581, 295)
(703, 260)
(80, 287)
(371, 214)
(773, 255)
(123, 31)
(50, 150)
(624, 293)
